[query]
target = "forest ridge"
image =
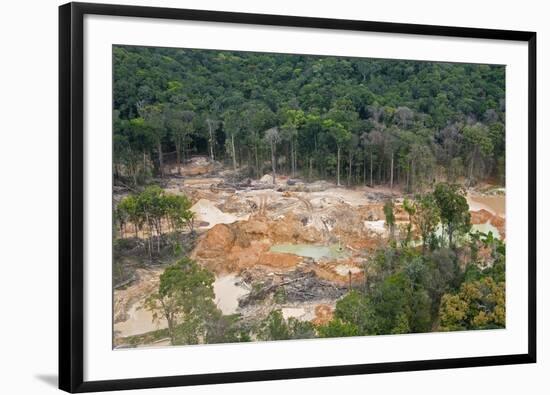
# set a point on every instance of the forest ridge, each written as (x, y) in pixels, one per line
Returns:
(353, 120)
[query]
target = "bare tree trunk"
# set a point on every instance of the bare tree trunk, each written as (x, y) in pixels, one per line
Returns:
(178, 154)
(409, 178)
(233, 155)
(349, 167)
(209, 122)
(413, 165)
(292, 159)
(161, 161)
(144, 164)
(371, 184)
(391, 171)
(365, 171)
(338, 167)
(471, 175)
(170, 321)
(256, 160)
(295, 158)
(273, 167)
(310, 168)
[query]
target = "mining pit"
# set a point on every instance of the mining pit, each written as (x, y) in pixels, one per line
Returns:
(311, 240)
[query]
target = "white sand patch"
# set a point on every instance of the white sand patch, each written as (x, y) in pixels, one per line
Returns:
(228, 292)
(376, 226)
(206, 210)
(295, 312)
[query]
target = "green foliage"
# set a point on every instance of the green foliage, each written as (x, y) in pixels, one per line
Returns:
(453, 209)
(410, 209)
(338, 328)
(356, 310)
(390, 216)
(225, 329)
(185, 300)
(426, 217)
(478, 305)
(152, 208)
(409, 116)
(275, 327)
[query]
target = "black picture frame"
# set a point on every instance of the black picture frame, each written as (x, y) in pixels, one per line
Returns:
(71, 204)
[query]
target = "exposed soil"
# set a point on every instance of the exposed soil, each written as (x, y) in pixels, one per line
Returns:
(242, 224)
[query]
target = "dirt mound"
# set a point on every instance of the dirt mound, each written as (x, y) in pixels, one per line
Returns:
(278, 260)
(218, 240)
(238, 204)
(266, 179)
(323, 314)
(480, 217)
(243, 244)
(196, 166)
(483, 216)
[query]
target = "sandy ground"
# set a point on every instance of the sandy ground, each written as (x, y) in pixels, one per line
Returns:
(258, 215)
(494, 204)
(206, 212)
(228, 291)
(139, 321)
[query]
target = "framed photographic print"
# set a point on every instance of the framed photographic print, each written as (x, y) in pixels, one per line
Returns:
(251, 197)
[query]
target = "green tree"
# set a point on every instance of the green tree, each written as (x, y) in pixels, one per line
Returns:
(185, 300)
(338, 328)
(180, 123)
(453, 209)
(410, 209)
(355, 309)
(341, 136)
(390, 217)
(155, 120)
(275, 327)
(478, 305)
(426, 217)
(272, 137)
(479, 145)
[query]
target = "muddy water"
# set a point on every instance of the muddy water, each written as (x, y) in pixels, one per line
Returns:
(228, 293)
(486, 228)
(140, 321)
(494, 204)
(311, 250)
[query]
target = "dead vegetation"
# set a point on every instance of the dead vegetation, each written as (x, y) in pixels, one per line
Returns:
(238, 220)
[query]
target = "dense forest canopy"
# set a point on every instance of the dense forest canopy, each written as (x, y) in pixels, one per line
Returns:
(353, 120)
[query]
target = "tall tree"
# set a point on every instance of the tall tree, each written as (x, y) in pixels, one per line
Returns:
(212, 125)
(272, 137)
(479, 146)
(184, 299)
(155, 120)
(233, 124)
(453, 209)
(180, 123)
(426, 217)
(341, 137)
